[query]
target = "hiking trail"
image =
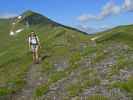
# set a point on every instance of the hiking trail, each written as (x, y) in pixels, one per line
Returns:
(33, 79)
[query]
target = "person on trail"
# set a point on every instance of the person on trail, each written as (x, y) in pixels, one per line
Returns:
(34, 45)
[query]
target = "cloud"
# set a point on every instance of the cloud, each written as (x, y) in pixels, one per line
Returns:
(85, 17)
(7, 15)
(128, 5)
(91, 30)
(110, 8)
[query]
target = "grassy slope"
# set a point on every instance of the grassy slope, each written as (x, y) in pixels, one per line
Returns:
(15, 58)
(124, 35)
(121, 33)
(60, 43)
(109, 39)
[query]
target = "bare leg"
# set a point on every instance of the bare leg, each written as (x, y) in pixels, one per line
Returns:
(37, 56)
(34, 57)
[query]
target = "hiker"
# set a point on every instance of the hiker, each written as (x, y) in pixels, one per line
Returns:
(34, 46)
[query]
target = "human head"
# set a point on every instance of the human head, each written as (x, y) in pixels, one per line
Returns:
(33, 33)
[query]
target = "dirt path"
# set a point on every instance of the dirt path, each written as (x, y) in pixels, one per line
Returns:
(34, 78)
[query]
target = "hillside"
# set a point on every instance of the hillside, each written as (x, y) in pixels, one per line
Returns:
(72, 68)
(120, 33)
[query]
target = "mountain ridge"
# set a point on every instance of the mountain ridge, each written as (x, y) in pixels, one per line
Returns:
(34, 18)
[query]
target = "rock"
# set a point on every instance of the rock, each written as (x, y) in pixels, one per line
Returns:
(104, 82)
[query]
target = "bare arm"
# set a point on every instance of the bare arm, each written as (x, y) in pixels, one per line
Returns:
(29, 42)
(39, 42)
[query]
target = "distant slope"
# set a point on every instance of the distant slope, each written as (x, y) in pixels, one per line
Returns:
(121, 33)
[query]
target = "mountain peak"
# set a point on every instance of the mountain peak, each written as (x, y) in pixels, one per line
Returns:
(34, 18)
(29, 13)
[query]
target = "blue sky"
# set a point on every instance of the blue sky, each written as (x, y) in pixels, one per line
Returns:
(88, 13)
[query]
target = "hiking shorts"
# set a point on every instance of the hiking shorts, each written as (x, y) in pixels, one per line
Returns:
(34, 47)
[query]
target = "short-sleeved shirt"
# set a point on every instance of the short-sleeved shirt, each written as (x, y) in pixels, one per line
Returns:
(33, 40)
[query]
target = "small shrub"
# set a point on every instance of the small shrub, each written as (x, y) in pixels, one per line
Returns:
(41, 90)
(5, 91)
(12, 87)
(75, 57)
(47, 66)
(74, 89)
(16, 84)
(56, 76)
(99, 56)
(97, 97)
(121, 64)
(86, 83)
(127, 86)
(88, 50)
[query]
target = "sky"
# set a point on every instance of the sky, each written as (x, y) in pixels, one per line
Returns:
(81, 13)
